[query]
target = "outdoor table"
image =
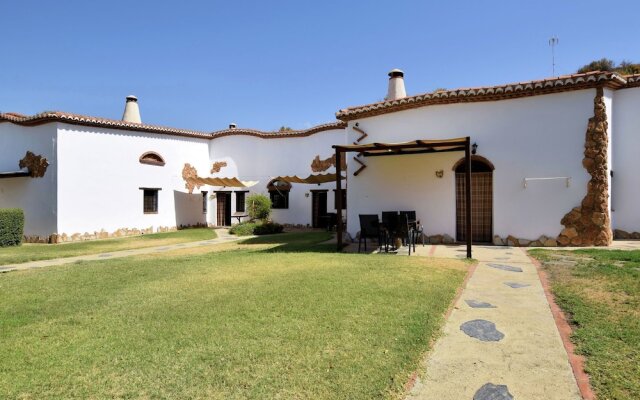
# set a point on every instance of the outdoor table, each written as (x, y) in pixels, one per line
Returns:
(239, 216)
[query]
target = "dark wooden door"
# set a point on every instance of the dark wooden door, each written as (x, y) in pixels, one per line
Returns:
(481, 207)
(319, 209)
(223, 208)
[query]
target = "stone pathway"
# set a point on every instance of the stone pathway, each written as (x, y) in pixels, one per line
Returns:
(500, 341)
(223, 237)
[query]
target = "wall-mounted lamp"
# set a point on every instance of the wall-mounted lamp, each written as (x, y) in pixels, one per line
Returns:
(439, 173)
(474, 148)
(306, 194)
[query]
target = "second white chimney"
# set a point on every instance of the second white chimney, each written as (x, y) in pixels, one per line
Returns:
(131, 110)
(396, 85)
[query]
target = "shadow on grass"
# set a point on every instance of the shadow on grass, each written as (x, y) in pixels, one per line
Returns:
(295, 242)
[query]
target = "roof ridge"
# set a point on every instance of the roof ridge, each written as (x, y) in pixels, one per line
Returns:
(79, 119)
(279, 134)
(488, 93)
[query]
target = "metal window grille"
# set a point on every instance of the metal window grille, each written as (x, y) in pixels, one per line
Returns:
(240, 201)
(204, 202)
(150, 200)
(279, 199)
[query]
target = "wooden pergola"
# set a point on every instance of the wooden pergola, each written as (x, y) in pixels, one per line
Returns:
(407, 148)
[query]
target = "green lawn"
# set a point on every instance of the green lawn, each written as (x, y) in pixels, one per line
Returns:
(266, 320)
(601, 296)
(32, 252)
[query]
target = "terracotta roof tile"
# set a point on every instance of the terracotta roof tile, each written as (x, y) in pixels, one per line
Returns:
(84, 120)
(279, 134)
(489, 93)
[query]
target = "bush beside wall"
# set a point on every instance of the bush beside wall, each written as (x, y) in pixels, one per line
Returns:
(11, 226)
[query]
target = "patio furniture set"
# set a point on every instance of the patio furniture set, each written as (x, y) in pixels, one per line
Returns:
(396, 228)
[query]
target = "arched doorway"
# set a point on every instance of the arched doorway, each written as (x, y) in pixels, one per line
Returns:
(481, 203)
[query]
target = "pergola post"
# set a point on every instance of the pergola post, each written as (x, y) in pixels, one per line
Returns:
(467, 192)
(339, 199)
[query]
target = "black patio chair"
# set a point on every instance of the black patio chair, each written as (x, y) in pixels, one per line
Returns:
(390, 227)
(407, 232)
(418, 228)
(369, 229)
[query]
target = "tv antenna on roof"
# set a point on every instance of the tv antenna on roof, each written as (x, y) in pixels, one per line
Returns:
(553, 42)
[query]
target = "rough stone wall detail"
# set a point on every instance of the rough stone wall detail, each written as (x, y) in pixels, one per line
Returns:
(37, 165)
(217, 166)
(190, 173)
(102, 234)
(318, 165)
(589, 224)
(620, 234)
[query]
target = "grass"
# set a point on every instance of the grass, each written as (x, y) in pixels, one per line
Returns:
(273, 317)
(599, 290)
(33, 252)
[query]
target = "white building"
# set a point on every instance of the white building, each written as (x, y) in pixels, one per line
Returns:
(115, 177)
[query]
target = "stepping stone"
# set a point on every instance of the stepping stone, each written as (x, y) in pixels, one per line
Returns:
(5, 269)
(180, 245)
(104, 255)
(502, 258)
(516, 285)
(162, 248)
(479, 304)
(505, 267)
(482, 330)
(489, 391)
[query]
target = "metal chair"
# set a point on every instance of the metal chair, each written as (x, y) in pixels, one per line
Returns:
(369, 228)
(390, 227)
(407, 232)
(418, 228)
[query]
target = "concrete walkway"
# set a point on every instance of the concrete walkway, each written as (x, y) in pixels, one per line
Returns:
(500, 341)
(223, 237)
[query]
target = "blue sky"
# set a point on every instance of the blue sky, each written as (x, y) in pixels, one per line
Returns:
(263, 64)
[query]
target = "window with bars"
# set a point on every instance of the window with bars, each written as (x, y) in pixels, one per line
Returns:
(150, 201)
(204, 202)
(279, 199)
(240, 201)
(279, 193)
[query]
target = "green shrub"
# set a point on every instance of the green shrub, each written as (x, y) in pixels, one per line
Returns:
(256, 228)
(243, 228)
(268, 228)
(258, 207)
(11, 226)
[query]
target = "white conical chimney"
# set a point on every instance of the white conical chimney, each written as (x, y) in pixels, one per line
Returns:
(131, 110)
(396, 85)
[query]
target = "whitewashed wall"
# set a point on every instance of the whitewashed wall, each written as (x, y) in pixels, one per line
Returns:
(101, 177)
(36, 196)
(626, 160)
(252, 158)
(540, 136)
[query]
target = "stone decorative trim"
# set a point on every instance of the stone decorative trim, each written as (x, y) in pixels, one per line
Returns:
(190, 173)
(217, 166)
(491, 93)
(102, 234)
(318, 165)
(36, 164)
(620, 234)
(589, 224)
(542, 241)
